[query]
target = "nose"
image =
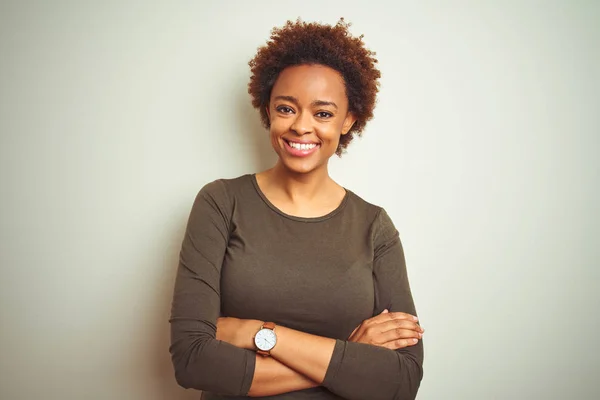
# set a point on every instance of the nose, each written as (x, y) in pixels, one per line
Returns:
(302, 124)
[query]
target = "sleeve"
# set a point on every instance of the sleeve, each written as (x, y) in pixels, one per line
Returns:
(200, 361)
(361, 371)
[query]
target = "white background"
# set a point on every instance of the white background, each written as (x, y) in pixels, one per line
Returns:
(484, 150)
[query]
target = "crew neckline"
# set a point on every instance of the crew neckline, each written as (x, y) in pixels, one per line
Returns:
(332, 213)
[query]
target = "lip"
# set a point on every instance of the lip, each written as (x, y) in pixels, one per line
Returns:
(300, 141)
(297, 152)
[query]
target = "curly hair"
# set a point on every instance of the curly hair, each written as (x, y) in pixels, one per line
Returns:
(298, 43)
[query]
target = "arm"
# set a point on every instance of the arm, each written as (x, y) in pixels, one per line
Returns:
(270, 376)
(200, 361)
(296, 355)
(389, 330)
(312, 355)
(359, 371)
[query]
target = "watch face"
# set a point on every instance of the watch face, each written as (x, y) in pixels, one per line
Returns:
(265, 339)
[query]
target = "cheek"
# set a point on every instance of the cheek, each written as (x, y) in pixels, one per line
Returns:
(333, 130)
(279, 126)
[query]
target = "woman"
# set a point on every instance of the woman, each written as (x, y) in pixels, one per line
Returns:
(290, 285)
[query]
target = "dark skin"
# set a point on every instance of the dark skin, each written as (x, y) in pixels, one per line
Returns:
(308, 104)
(308, 107)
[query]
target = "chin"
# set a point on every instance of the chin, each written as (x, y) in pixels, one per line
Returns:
(301, 167)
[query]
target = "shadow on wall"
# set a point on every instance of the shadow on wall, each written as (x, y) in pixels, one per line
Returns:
(255, 141)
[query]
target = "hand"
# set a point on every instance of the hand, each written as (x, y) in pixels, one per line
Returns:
(394, 331)
(238, 332)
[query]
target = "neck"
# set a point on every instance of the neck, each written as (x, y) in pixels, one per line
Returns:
(297, 185)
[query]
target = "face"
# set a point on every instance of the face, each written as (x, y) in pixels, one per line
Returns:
(308, 111)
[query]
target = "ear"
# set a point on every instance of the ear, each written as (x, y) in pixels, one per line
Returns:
(348, 123)
(268, 108)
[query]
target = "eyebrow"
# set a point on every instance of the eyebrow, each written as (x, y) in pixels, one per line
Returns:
(320, 103)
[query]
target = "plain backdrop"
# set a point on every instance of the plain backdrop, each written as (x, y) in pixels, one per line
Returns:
(484, 150)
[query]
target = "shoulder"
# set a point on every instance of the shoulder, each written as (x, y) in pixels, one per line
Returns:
(223, 193)
(362, 207)
(381, 226)
(225, 189)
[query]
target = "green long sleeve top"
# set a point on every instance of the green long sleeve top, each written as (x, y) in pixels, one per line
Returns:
(242, 257)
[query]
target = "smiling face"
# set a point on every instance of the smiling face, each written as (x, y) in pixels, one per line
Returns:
(308, 113)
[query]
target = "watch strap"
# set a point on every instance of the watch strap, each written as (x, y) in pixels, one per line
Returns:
(269, 325)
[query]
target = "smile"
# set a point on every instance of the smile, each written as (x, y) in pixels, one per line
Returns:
(302, 146)
(300, 149)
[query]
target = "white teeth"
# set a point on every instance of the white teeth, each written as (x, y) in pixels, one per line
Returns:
(302, 146)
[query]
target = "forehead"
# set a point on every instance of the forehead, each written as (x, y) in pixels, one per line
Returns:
(311, 82)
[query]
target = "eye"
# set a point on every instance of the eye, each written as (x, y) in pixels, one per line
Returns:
(284, 110)
(324, 114)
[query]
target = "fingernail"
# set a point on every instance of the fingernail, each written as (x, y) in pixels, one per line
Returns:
(415, 318)
(385, 311)
(415, 340)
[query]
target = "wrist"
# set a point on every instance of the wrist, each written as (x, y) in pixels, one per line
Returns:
(252, 326)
